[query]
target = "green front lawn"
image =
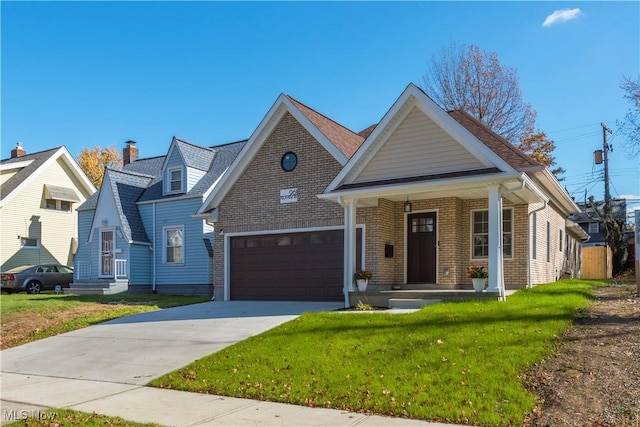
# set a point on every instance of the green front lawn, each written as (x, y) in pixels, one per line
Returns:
(452, 362)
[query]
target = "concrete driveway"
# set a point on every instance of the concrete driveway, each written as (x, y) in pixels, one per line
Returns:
(138, 348)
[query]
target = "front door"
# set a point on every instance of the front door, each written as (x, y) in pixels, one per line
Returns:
(421, 248)
(106, 253)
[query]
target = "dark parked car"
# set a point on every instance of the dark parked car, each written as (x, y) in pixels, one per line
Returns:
(36, 278)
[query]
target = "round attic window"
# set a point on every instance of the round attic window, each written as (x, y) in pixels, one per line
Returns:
(289, 161)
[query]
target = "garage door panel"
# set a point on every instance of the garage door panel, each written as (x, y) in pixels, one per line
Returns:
(289, 266)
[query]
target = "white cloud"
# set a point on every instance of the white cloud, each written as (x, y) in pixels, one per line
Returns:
(562, 15)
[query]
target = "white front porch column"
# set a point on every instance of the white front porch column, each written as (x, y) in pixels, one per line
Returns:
(496, 273)
(349, 247)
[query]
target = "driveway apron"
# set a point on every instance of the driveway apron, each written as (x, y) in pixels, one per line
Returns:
(136, 349)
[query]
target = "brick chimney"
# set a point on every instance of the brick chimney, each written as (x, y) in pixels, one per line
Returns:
(18, 151)
(129, 153)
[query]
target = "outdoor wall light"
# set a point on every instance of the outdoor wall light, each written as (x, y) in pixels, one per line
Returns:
(221, 233)
(407, 205)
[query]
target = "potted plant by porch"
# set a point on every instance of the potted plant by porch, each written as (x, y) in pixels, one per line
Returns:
(478, 276)
(362, 277)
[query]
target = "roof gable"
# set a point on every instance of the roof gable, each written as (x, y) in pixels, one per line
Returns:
(117, 198)
(415, 121)
(31, 165)
(416, 146)
(336, 139)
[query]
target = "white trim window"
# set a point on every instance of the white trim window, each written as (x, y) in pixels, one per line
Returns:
(594, 227)
(175, 181)
(480, 234)
(29, 243)
(173, 245)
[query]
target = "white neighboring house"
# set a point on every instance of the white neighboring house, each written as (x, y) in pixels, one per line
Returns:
(39, 194)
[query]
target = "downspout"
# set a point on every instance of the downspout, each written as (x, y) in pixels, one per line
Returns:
(153, 243)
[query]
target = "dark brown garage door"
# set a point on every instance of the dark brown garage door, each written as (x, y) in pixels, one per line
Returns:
(289, 266)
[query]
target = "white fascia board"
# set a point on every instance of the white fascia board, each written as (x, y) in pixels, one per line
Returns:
(106, 186)
(61, 152)
(205, 195)
(560, 196)
(458, 132)
(315, 132)
(419, 187)
(244, 157)
(413, 96)
(257, 139)
(79, 172)
(15, 165)
(534, 188)
(366, 145)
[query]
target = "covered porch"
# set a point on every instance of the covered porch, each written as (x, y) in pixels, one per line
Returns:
(422, 234)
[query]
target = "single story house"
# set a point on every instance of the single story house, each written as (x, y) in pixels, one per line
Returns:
(415, 199)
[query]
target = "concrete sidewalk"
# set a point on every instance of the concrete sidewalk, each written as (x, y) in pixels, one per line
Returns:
(104, 368)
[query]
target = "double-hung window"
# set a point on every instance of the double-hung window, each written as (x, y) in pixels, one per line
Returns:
(174, 245)
(175, 180)
(480, 234)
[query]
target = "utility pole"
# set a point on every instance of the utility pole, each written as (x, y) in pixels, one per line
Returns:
(605, 149)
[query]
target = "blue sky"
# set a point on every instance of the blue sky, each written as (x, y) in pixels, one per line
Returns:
(100, 73)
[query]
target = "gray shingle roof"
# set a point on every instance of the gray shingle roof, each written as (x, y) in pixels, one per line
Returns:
(222, 156)
(195, 156)
(127, 188)
(38, 159)
(149, 166)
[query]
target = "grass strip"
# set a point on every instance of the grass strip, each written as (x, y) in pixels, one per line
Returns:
(449, 362)
(67, 417)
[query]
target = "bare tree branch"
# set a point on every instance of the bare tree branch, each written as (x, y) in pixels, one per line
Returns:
(630, 125)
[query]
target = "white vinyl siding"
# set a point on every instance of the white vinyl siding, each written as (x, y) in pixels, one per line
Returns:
(26, 216)
(418, 147)
(193, 177)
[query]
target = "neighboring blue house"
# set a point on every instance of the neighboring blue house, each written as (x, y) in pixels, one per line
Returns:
(138, 232)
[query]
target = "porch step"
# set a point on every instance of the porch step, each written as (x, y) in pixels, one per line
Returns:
(98, 288)
(415, 297)
(411, 302)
